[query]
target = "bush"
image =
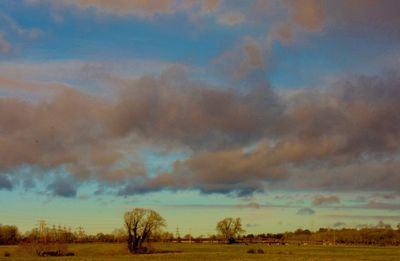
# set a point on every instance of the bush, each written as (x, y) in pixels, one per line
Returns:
(143, 250)
(52, 250)
(251, 251)
(255, 251)
(7, 254)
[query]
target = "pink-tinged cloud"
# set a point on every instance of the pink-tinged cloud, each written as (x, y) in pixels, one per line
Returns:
(243, 59)
(5, 45)
(140, 8)
(345, 137)
(325, 200)
(208, 6)
(137, 7)
(318, 141)
(307, 14)
(231, 18)
(287, 21)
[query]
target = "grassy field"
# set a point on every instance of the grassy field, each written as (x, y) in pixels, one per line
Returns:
(211, 252)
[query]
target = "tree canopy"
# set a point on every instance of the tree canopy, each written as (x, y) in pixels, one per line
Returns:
(230, 228)
(140, 223)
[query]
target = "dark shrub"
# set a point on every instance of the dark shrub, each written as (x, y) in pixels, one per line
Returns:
(251, 251)
(231, 240)
(260, 251)
(142, 250)
(7, 254)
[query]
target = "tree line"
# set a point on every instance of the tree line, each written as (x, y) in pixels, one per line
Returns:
(146, 225)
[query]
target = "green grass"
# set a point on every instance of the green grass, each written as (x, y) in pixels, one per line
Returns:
(197, 252)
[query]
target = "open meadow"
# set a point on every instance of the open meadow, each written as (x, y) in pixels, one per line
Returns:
(194, 252)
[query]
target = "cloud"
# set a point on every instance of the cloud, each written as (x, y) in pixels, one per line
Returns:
(245, 58)
(345, 137)
(137, 7)
(89, 135)
(288, 22)
(248, 225)
(307, 14)
(220, 172)
(141, 8)
(63, 187)
(300, 15)
(357, 16)
(369, 175)
(380, 225)
(382, 205)
(66, 130)
(12, 34)
(254, 205)
(377, 17)
(305, 212)
(231, 18)
(5, 45)
(5, 183)
(193, 114)
(29, 33)
(364, 217)
(321, 141)
(325, 200)
(208, 6)
(93, 75)
(339, 224)
(15, 85)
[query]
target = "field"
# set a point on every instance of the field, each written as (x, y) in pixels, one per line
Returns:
(211, 252)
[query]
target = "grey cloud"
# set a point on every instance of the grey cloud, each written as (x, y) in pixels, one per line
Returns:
(380, 225)
(339, 224)
(251, 225)
(345, 137)
(382, 205)
(325, 200)
(5, 183)
(364, 217)
(5, 45)
(179, 110)
(143, 9)
(254, 205)
(287, 21)
(324, 139)
(305, 212)
(63, 187)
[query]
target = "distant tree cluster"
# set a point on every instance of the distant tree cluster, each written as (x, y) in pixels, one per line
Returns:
(9, 235)
(377, 235)
(145, 225)
(50, 235)
(370, 236)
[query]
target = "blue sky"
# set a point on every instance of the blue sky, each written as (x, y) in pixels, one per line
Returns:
(201, 110)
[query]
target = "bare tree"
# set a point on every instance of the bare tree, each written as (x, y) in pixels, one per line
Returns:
(230, 228)
(140, 223)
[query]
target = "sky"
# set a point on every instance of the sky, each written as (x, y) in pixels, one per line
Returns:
(283, 113)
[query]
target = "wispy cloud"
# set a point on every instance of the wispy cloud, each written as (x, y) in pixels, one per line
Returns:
(5, 183)
(325, 200)
(144, 9)
(305, 212)
(365, 217)
(5, 45)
